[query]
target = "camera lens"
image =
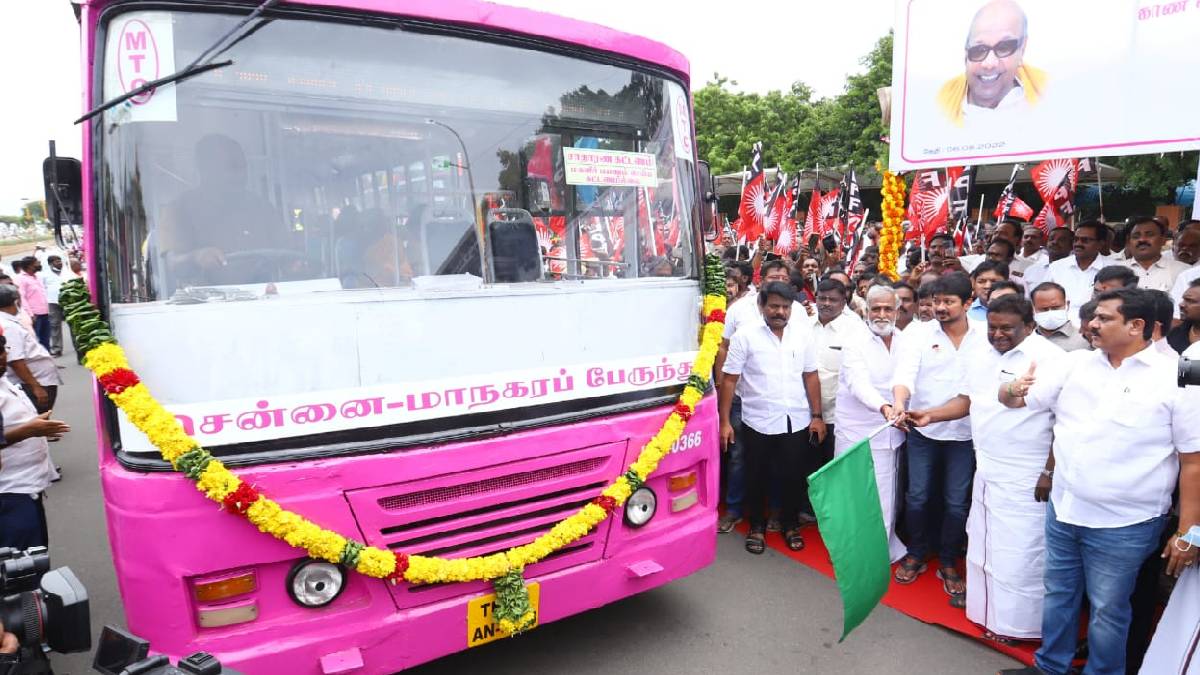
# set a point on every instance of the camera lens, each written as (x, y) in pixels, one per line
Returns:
(21, 615)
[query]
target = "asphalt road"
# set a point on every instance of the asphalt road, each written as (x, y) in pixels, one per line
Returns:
(744, 614)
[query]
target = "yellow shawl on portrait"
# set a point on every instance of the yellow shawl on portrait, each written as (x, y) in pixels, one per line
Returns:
(952, 94)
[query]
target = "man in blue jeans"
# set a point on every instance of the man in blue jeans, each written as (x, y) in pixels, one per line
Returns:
(929, 372)
(1124, 433)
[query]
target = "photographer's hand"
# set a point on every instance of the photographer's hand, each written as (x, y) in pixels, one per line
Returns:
(8, 642)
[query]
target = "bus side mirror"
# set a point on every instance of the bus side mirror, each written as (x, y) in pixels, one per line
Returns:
(62, 178)
(708, 201)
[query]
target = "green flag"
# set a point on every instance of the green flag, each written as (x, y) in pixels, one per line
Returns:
(846, 501)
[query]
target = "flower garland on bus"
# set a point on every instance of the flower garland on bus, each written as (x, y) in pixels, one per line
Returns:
(513, 612)
(892, 235)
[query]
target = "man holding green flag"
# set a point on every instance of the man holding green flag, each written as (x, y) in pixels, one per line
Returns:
(846, 500)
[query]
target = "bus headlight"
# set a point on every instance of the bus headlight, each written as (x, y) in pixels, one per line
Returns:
(640, 507)
(313, 583)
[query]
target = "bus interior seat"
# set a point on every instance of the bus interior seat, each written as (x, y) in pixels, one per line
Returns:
(512, 240)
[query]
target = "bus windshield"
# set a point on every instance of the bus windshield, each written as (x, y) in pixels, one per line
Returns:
(334, 156)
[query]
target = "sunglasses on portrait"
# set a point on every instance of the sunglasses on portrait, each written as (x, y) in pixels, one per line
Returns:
(1003, 48)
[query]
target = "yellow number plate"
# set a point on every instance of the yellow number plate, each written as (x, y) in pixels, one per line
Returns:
(482, 628)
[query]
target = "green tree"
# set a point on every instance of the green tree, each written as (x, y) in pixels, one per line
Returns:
(797, 132)
(1158, 175)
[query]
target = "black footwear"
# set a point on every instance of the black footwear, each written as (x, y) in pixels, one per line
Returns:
(727, 522)
(1027, 670)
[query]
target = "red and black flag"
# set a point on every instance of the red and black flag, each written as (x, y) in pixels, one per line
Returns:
(754, 208)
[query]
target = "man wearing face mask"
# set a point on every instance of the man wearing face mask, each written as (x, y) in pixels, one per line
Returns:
(1005, 529)
(864, 395)
(1051, 313)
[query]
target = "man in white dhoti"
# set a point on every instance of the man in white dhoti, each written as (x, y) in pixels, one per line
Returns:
(1006, 524)
(864, 396)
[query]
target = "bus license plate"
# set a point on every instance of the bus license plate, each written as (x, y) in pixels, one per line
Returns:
(482, 628)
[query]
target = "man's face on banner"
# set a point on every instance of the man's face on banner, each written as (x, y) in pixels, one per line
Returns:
(994, 50)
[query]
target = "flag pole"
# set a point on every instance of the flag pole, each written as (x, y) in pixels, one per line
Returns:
(1100, 188)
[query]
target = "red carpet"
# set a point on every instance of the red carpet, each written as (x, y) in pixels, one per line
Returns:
(923, 599)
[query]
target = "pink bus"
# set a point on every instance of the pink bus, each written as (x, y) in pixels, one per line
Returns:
(425, 272)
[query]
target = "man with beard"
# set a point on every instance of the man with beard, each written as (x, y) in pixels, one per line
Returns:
(832, 329)
(1155, 271)
(776, 365)
(1187, 243)
(928, 375)
(1058, 246)
(1005, 529)
(1077, 272)
(864, 395)
(1124, 434)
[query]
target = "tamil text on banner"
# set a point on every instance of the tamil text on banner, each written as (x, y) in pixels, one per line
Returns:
(232, 421)
(981, 82)
(610, 168)
(846, 502)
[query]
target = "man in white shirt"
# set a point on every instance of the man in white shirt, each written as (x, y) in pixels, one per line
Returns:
(1123, 434)
(1033, 242)
(781, 409)
(1006, 527)
(1182, 282)
(30, 366)
(864, 395)
(1155, 271)
(832, 329)
(1058, 246)
(25, 467)
(1077, 272)
(929, 374)
(52, 278)
(1052, 314)
(745, 311)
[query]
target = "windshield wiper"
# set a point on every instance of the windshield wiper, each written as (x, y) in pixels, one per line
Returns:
(202, 64)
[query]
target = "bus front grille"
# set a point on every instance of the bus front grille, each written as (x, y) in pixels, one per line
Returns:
(487, 510)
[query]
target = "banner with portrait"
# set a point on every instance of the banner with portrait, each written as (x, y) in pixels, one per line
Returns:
(995, 81)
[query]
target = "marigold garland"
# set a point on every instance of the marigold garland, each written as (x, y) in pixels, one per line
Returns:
(513, 612)
(892, 235)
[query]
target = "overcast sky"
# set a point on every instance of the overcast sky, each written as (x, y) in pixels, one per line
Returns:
(767, 47)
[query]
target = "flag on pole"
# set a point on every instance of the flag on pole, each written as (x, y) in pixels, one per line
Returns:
(786, 240)
(928, 205)
(812, 219)
(752, 211)
(845, 498)
(850, 206)
(776, 202)
(829, 214)
(1055, 180)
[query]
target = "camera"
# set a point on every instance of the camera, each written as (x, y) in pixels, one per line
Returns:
(121, 653)
(44, 608)
(1189, 372)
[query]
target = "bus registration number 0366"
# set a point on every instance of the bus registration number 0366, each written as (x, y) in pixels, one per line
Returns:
(481, 625)
(688, 441)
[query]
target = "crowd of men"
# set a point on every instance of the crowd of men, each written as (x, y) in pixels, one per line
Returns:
(1036, 427)
(31, 335)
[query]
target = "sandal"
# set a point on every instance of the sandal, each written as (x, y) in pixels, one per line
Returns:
(999, 639)
(960, 602)
(756, 542)
(910, 566)
(795, 542)
(950, 575)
